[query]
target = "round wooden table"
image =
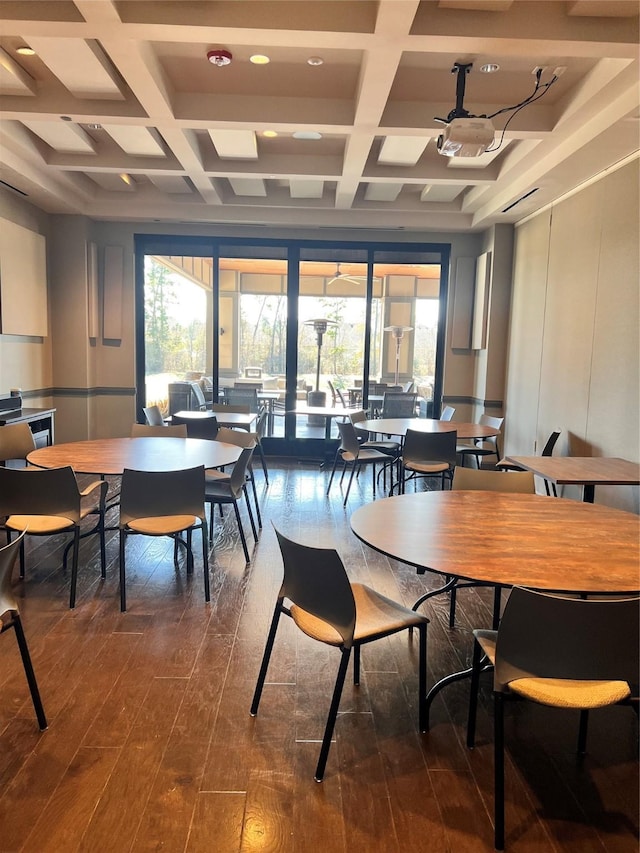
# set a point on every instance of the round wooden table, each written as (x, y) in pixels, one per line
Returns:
(506, 540)
(110, 456)
(399, 426)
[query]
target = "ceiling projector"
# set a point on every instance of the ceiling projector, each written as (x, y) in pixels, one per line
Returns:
(466, 137)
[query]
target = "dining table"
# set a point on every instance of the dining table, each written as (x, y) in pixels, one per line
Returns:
(585, 471)
(399, 426)
(110, 456)
(326, 412)
(505, 540)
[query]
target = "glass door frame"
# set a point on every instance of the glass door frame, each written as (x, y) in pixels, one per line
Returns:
(293, 249)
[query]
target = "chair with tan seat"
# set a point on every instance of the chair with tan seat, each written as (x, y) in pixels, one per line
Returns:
(354, 456)
(426, 455)
(478, 479)
(149, 431)
(203, 428)
(243, 439)
(10, 618)
(16, 443)
(482, 447)
(163, 503)
(225, 489)
(327, 607)
(561, 652)
(389, 447)
(45, 501)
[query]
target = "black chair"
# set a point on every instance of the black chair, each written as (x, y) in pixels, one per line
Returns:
(330, 609)
(205, 428)
(11, 619)
(560, 652)
(426, 455)
(482, 447)
(355, 456)
(228, 489)
(396, 404)
(547, 450)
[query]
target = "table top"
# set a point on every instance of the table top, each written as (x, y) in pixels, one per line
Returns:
(226, 419)
(111, 456)
(581, 470)
(399, 426)
(24, 414)
(507, 539)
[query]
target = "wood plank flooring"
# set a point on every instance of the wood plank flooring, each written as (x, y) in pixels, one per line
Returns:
(151, 746)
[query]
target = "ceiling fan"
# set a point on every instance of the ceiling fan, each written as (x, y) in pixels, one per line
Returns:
(343, 276)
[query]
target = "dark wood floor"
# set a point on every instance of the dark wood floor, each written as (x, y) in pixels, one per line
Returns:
(151, 747)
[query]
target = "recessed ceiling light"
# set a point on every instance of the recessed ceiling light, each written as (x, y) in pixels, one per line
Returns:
(489, 68)
(259, 59)
(126, 178)
(307, 134)
(315, 60)
(66, 118)
(25, 50)
(270, 133)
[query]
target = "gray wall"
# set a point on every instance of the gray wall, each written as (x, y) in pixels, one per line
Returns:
(574, 355)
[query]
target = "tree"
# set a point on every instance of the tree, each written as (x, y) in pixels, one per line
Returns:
(159, 295)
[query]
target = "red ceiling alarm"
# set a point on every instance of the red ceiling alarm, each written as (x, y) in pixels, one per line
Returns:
(219, 57)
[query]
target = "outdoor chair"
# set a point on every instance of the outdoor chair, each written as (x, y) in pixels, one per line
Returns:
(328, 608)
(396, 404)
(561, 652)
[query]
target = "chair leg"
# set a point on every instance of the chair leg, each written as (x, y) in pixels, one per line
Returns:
(353, 471)
(28, 670)
(74, 567)
(123, 592)
(205, 559)
(333, 470)
(266, 657)
(582, 732)
(333, 713)
(356, 665)
(422, 678)
(103, 547)
(498, 746)
(255, 498)
(21, 556)
(241, 531)
(264, 463)
(452, 607)
(473, 694)
(250, 513)
(497, 602)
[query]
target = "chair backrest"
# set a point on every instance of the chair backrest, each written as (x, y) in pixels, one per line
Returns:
(153, 415)
(315, 580)
(357, 418)
(348, 437)
(547, 450)
(548, 636)
(184, 396)
(447, 413)
(206, 428)
(237, 437)
(45, 491)
(408, 387)
(249, 386)
(198, 393)
(148, 431)
(492, 440)
(228, 409)
(337, 397)
(377, 388)
(239, 472)
(479, 479)
(430, 446)
(395, 404)
(8, 556)
(242, 396)
(16, 441)
(153, 494)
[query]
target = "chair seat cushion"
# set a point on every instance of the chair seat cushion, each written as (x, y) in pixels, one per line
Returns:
(376, 616)
(216, 477)
(571, 693)
(426, 467)
(162, 525)
(39, 524)
(365, 456)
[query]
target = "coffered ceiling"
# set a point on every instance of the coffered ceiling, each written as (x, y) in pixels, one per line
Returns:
(118, 114)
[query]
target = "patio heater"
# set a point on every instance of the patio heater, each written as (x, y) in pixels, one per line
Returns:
(398, 334)
(318, 397)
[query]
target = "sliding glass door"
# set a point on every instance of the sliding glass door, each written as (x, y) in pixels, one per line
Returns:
(305, 325)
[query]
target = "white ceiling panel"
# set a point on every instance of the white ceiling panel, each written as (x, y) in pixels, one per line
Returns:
(172, 184)
(13, 79)
(113, 183)
(402, 150)
(135, 140)
(63, 136)
(306, 189)
(80, 65)
(441, 192)
(235, 144)
(248, 187)
(382, 192)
